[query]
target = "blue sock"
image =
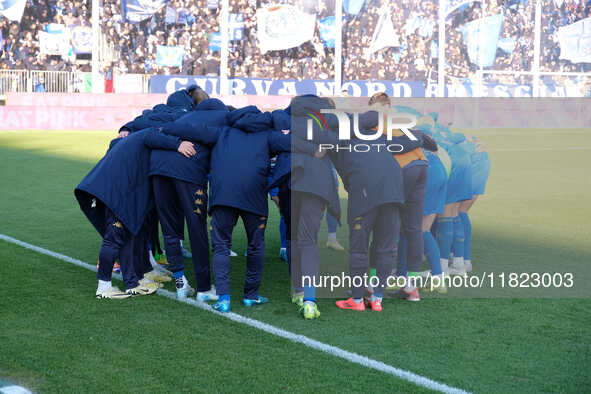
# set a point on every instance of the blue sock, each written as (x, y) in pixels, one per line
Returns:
(432, 253)
(458, 242)
(178, 274)
(445, 234)
(283, 233)
(310, 293)
(401, 268)
(224, 297)
(467, 234)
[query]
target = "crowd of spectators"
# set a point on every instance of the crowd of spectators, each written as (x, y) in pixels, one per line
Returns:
(189, 23)
(19, 44)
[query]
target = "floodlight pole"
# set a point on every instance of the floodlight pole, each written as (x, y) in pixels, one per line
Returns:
(224, 16)
(97, 83)
(441, 50)
(537, 39)
(338, 48)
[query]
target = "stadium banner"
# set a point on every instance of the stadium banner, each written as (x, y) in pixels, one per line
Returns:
(292, 87)
(81, 37)
(169, 56)
(129, 83)
(138, 10)
(485, 32)
(12, 9)
(54, 43)
(283, 26)
(575, 41)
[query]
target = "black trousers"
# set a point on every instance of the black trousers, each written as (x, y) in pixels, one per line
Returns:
(177, 201)
(384, 223)
(223, 221)
(118, 244)
(307, 211)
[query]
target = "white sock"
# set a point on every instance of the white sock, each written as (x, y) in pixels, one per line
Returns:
(332, 237)
(181, 242)
(467, 262)
(357, 300)
(103, 285)
(458, 261)
(185, 282)
(411, 283)
(374, 298)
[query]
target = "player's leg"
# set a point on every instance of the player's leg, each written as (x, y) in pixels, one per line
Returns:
(360, 229)
(411, 213)
(114, 238)
(171, 219)
(309, 221)
(467, 225)
(223, 220)
(332, 225)
(193, 201)
(386, 229)
(283, 237)
(254, 225)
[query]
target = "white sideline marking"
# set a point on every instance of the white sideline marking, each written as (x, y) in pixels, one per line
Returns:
(311, 343)
(549, 149)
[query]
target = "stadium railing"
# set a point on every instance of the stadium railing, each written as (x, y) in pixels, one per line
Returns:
(30, 81)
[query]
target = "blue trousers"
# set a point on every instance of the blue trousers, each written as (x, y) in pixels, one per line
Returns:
(177, 201)
(411, 214)
(118, 244)
(223, 221)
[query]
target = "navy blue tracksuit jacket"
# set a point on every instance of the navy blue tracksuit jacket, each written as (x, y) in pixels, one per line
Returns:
(240, 156)
(120, 180)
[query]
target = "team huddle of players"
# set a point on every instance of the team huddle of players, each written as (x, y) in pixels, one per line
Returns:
(196, 157)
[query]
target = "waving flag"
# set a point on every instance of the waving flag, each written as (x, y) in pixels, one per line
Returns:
(452, 5)
(81, 37)
(353, 6)
(481, 36)
(384, 35)
(283, 26)
(12, 9)
(235, 27)
(139, 10)
(327, 30)
(575, 41)
(169, 56)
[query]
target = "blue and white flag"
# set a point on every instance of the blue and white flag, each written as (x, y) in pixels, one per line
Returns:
(139, 10)
(353, 6)
(481, 36)
(12, 9)
(575, 41)
(215, 42)
(81, 37)
(452, 5)
(384, 35)
(328, 31)
(169, 56)
(235, 27)
(507, 44)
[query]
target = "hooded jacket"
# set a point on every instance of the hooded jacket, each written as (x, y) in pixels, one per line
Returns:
(240, 154)
(194, 169)
(120, 180)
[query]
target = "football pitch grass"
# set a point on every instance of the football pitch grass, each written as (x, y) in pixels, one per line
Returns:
(54, 336)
